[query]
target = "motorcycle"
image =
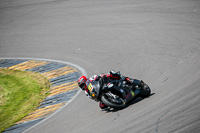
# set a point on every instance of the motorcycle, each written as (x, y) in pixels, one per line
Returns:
(116, 93)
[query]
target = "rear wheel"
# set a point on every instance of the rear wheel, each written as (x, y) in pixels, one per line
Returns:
(145, 92)
(112, 100)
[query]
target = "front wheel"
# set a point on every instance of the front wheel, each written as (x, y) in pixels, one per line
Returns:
(111, 103)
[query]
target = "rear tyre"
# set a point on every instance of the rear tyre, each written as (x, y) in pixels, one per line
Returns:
(146, 92)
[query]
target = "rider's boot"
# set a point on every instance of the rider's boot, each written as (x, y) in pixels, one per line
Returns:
(102, 105)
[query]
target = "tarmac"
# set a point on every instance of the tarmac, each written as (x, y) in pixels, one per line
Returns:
(156, 41)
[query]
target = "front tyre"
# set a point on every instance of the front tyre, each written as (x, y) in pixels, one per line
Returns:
(108, 102)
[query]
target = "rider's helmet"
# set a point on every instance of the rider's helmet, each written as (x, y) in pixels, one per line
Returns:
(114, 75)
(82, 82)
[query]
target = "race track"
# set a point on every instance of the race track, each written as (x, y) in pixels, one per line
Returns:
(157, 41)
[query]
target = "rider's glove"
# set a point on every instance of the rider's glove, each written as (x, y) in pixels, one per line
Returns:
(102, 75)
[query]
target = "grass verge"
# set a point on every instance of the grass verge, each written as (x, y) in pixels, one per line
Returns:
(20, 93)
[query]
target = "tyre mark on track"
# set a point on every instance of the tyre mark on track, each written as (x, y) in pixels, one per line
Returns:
(159, 119)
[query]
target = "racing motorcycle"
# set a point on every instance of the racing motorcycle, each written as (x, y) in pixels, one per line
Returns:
(116, 93)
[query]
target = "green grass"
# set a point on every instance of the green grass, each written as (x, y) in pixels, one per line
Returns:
(20, 93)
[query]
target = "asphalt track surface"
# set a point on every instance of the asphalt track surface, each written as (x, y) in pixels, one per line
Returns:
(157, 41)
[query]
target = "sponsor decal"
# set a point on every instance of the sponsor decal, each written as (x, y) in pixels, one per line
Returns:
(128, 95)
(132, 93)
(90, 87)
(110, 85)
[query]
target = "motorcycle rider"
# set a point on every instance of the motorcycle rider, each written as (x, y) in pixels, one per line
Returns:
(112, 75)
